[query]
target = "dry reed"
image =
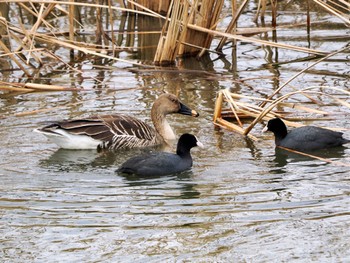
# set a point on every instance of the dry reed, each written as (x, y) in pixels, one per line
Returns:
(189, 30)
(264, 112)
(337, 163)
(250, 110)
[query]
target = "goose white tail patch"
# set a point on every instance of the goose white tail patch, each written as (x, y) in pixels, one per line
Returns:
(70, 141)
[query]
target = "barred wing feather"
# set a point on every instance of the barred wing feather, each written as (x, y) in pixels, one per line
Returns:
(115, 131)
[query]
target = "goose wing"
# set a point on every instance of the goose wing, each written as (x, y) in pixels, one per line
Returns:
(107, 129)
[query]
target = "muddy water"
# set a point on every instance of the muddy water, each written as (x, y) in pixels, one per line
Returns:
(241, 201)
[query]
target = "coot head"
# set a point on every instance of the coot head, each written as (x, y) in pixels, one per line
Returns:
(186, 142)
(276, 126)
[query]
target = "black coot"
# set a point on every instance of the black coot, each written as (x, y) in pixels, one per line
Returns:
(306, 138)
(163, 163)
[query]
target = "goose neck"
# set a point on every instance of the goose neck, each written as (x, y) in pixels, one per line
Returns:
(162, 126)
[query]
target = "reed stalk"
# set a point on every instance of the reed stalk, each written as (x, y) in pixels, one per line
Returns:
(337, 8)
(284, 97)
(71, 26)
(189, 31)
(14, 59)
(177, 33)
(304, 70)
(261, 10)
(159, 6)
(233, 24)
(166, 50)
(316, 157)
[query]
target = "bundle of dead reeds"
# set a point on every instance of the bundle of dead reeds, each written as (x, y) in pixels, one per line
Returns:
(229, 105)
(189, 29)
(27, 47)
(182, 34)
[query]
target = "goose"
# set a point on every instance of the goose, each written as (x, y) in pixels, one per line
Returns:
(118, 131)
(306, 138)
(163, 163)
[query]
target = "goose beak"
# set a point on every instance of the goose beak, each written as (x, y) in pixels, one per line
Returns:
(187, 111)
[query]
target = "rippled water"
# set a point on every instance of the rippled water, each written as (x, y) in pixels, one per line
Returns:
(241, 201)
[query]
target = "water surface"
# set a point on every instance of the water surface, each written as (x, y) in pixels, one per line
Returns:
(241, 202)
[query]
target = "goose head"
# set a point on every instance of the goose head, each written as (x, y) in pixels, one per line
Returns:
(169, 103)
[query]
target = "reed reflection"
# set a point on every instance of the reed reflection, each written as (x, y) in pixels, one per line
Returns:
(283, 157)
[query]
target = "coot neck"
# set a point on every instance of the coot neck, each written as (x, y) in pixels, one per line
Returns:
(183, 152)
(281, 134)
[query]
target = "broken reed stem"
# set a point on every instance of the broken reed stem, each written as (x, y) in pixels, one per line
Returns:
(232, 24)
(260, 113)
(111, 23)
(46, 87)
(49, 39)
(230, 126)
(34, 87)
(285, 104)
(71, 26)
(17, 89)
(300, 107)
(233, 106)
(274, 13)
(32, 45)
(344, 17)
(315, 157)
(13, 57)
(168, 46)
(40, 19)
(185, 21)
(255, 40)
(218, 107)
(261, 9)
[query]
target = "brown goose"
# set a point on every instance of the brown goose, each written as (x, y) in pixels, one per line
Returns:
(118, 131)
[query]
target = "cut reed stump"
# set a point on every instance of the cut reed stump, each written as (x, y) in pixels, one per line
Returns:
(178, 39)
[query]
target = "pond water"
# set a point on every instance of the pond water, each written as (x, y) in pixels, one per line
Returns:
(241, 202)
